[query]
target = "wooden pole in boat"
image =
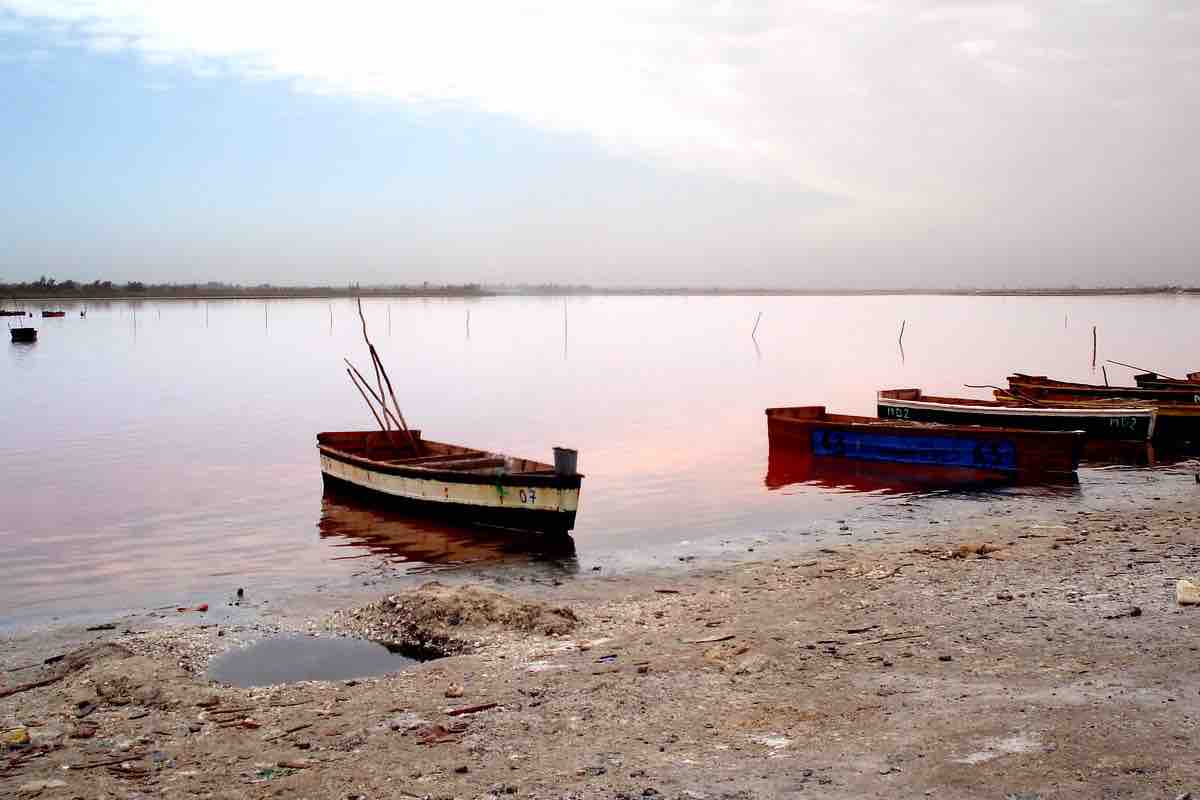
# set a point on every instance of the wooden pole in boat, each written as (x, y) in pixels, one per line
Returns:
(371, 347)
(386, 411)
(1140, 369)
(380, 369)
(1013, 393)
(370, 405)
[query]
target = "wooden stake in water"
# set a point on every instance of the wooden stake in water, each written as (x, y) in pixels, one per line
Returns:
(1093, 347)
(468, 324)
(900, 340)
(757, 320)
(1105, 371)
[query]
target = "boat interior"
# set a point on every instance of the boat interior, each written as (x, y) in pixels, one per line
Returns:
(395, 448)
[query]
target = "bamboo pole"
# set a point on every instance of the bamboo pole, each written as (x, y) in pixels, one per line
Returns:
(381, 370)
(1141, 369)
(370, 405)
(388, 415)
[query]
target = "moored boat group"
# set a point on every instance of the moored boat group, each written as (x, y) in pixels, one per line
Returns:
(1037, 428)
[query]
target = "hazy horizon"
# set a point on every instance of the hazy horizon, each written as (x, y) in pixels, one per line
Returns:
(854, 145)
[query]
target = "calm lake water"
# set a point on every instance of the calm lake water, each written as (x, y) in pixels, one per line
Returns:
(164, 452)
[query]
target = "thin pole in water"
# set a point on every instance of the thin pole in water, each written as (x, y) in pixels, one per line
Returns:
(389, 319)
(1105, 371)
(757, 320)
(1093, 348)
(900, 340)
(468, 324)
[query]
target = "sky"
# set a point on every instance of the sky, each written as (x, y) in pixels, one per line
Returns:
(773, 143)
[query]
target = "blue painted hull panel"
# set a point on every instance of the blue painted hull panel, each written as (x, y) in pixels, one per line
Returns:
(925, 448)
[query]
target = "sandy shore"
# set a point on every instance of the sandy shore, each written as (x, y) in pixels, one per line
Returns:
(1057, 664)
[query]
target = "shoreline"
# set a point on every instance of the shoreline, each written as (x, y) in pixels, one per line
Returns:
(1056, 664)
(399, 294)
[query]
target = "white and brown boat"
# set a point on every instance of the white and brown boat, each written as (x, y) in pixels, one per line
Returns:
(1128, 422)
(474, 486)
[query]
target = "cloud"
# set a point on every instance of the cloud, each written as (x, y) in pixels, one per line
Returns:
(1057, 108)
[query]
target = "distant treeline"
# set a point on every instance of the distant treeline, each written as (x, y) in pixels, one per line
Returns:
(68, 289)
(46, 287)
(549, 289)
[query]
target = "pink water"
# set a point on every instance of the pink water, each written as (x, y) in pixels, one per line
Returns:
(163, 452)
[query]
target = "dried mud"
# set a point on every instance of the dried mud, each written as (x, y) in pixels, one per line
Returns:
(1054, 662)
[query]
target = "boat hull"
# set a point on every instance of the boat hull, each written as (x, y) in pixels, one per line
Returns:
(543, 502)
(1041, 388)
(1127, 424)
(23, 335)
(978, 450)
(47, 314)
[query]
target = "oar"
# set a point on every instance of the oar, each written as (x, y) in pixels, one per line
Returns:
(1014, 394)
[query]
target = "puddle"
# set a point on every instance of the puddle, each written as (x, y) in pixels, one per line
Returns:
(305, 658)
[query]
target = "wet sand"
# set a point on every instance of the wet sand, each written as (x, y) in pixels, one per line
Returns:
(1056, 664)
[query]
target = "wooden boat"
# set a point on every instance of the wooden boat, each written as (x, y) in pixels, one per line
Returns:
(1040, 387)
(54, 314)
(983, 451)
(1099, 422)
(23, 334)
(475, 486)
(1174, 423)
(1152, 380)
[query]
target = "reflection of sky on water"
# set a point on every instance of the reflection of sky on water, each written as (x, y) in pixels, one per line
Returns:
(159, 451)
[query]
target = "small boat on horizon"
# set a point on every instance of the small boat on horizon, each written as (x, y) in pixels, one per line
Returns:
(973, 451)
(23, 335)
(474, 486)
(1134, 423)
(9, 312)
(46, 314)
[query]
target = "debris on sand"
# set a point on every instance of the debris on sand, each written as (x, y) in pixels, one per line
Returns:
(448, 620)
(1187, 592)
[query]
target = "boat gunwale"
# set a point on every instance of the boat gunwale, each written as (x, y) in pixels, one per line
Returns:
(1000, 407)
(542, 478)
(915, 426)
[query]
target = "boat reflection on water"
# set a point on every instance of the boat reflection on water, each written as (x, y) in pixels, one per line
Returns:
(1135, 454)
(430, 544)
(789, 466)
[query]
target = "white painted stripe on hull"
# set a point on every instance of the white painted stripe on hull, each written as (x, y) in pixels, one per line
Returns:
(481, 495)
(1018, 411)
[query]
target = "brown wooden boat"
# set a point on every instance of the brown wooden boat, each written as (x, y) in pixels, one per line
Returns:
(1175, 424)
(450, 480)
(983, 451)
(23, 335)
(1040, 387)
(1132, 422)
(1152, 380)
